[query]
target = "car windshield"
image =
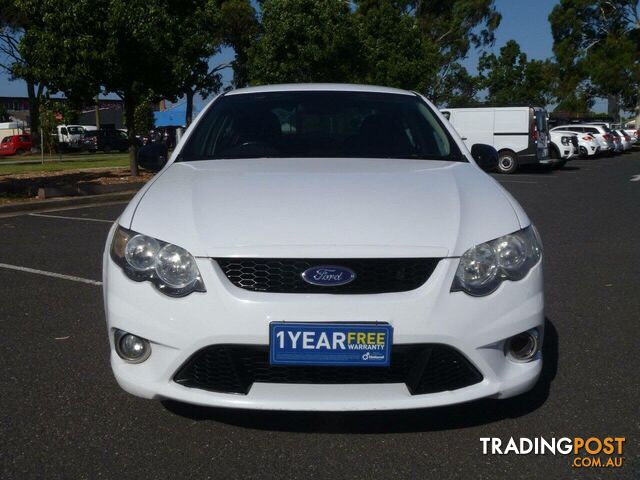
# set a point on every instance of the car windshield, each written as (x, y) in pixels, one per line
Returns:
(320, 124)
(76, 130)
(6, 140)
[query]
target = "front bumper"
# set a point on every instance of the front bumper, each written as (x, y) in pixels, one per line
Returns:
(225, 314)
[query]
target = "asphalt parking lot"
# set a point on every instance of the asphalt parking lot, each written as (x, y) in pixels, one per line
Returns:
(63, 415)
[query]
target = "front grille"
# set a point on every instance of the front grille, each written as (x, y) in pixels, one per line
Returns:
(424, 368)
(284, 275)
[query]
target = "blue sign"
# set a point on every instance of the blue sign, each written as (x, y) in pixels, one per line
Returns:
(328, 275)
(337, 344)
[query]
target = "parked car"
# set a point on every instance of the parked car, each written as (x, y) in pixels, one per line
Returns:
(588, 145)
(563, 146)
(323, 247)
(16, 144)
(599, 132)
(618, 141)
(520, 134)
(69, 137)
(631, 130)
(627, 143)
(105, 140)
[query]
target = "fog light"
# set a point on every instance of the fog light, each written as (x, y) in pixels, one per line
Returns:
(524, 346)
(131, 348)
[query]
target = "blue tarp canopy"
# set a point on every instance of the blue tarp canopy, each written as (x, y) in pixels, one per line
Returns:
(174, 116)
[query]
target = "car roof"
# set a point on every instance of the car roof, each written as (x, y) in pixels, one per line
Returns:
(569, 125)
(319, 87)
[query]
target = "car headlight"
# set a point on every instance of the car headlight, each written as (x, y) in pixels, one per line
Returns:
(484, 267)
(565, 140)
(172, 269)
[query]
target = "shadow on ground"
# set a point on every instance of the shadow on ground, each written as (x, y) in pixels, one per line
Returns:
(433, 419)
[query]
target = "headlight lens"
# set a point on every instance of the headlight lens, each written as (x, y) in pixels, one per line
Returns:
(484, 267)
(172, 269)
(176, 267)
(141, 251)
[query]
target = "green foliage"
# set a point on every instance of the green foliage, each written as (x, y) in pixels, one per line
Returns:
(213, 24)
(510, 78)
(304, 41)
(47, 115)
(144, 119)
(417, 45)
(597, 47)
(396, 53)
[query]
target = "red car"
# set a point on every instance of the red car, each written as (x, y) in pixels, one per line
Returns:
(15, 144)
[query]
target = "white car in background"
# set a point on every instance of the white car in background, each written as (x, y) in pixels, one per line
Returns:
(599, 132)
(323, 247)
(564, 146)
(627, 143)
(588, 145)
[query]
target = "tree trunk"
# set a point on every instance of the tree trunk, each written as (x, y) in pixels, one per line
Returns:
(637, 125)
(613, 108)
(129, 117)
(189, 114)
(34, 115)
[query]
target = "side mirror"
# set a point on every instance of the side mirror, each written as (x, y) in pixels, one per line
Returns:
(153, 156)
(485, 156)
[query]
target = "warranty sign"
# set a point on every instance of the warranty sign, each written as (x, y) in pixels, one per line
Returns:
(337, 344)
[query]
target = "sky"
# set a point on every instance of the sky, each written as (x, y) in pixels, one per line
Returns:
(525, 21)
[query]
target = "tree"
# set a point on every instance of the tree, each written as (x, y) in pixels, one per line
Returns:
(412, 44)
(4, 115)
(304, 41)
(395, 51)
(597, 47)
(110, 46)
(13, 26)
(454, 27)
(510, 78)
(144, 119)
(214, 24)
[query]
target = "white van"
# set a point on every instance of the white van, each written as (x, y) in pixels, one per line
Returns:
(69, 137)
(520, 134)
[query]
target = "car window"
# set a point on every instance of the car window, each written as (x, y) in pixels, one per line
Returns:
(320, 124)
(6, 140)
(64, 131)
(76, 130)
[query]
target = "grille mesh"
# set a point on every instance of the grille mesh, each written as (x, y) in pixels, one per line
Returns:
(424, 368)
(384, 275)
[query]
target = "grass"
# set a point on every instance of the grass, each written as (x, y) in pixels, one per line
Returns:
(79, 162)
(66, 157)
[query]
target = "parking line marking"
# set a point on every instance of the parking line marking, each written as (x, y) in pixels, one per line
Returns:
(50, 274)
(70, 218)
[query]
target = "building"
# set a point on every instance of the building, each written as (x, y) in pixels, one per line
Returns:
(111, 111)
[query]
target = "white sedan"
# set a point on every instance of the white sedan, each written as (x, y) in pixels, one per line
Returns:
(323, 247)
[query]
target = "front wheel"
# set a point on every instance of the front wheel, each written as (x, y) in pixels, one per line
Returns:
(507, 162)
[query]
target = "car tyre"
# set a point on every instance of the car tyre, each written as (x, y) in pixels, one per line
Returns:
(507, 162)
